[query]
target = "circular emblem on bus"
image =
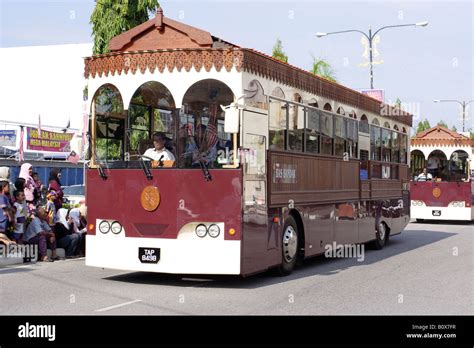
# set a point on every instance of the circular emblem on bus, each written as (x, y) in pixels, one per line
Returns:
(436, 192)
(150, 198)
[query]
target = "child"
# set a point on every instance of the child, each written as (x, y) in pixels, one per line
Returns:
(21, 214)
(51, 208)
(6, 212)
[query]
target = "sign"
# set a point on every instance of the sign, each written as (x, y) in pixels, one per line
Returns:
(375, 93)
(7, 138)
(284, 173)
(149, 255)
(48, 141)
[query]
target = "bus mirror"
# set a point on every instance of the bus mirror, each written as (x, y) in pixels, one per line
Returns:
(231, 119)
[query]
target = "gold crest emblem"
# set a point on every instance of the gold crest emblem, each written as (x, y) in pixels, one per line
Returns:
(436, 192)
(150, 198)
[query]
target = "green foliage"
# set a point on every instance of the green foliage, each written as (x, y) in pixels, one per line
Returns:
(398, 102)
(323, 68)
(278, 52)
(454, 128)
(442, 124)
(422, 126)
(112, 17)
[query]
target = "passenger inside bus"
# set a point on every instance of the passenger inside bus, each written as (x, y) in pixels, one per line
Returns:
(159, 153)
(424, 176)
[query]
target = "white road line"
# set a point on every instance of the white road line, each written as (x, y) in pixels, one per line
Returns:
(117, 306)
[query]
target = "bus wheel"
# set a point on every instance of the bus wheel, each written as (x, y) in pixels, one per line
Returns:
(381, 236)
(289, 246)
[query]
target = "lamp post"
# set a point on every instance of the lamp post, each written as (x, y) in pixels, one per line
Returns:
(463, 104)
(370, 37)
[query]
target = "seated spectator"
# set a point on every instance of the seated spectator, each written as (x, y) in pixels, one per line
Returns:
(424, 176)
(64, 232)
(78, 216)
(38, 232)
(6, 211)
(21, 214)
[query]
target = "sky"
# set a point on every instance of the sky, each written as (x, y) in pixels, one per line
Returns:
(420, 64)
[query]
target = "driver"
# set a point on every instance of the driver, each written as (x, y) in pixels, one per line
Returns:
(159, 152)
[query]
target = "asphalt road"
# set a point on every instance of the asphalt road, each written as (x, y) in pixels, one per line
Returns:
(428, 269)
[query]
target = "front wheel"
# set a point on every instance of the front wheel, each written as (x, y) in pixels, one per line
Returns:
(381, 236)
(289, 246)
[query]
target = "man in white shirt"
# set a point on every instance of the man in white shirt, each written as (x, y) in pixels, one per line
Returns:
(424, 176)
(159, 152)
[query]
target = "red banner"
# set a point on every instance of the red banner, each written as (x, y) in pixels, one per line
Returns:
(48, 141)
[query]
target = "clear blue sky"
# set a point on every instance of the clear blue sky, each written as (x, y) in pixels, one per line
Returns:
(420, 64)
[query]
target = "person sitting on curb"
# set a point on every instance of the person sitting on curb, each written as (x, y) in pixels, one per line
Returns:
(39, 233)
(63, 230)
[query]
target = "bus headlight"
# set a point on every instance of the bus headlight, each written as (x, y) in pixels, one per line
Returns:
(455, 204)
(116, 228)
(214, 230)
(104, 227)
(201, 230)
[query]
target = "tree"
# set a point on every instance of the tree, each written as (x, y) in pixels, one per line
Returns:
(111, 18)
(278, 52)
(422, 126)
(442, 124)
(398, 103)
(322, 68)
(454, 129)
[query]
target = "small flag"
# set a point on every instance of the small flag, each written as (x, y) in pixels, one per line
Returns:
(22, 133)
(39, 126)
(73, 157)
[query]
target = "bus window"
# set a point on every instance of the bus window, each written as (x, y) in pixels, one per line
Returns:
(352, 137)
(108, 112)
(386, 143)
(277, 125)
(395, 146)
(326, 133)
(375, 143)
(340, 136)
(403, 148)
(459, 166)
(312, 131)
(417, 163)
(295, 128)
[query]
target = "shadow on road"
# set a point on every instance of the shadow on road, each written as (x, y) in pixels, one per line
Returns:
(408, 241)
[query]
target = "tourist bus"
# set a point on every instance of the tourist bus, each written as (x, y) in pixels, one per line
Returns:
(272, 163)
(446, 192)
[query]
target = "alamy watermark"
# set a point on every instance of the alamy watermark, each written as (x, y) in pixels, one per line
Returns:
(335, 250)
(19, 250)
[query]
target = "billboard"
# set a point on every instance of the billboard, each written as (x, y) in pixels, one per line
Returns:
(378, 94)
(7, 138)
(48, 141)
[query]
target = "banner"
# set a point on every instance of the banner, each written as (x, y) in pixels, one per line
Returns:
(375, 93)
(48, 141)
(7, 138)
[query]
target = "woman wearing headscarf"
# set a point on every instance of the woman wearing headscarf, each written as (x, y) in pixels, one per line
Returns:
(78, 218)
(29, 187)
(55, 185)
(65, 237)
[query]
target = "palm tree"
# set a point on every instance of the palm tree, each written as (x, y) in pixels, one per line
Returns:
(322, 68)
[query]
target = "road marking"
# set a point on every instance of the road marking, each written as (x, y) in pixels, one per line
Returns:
(117, 306)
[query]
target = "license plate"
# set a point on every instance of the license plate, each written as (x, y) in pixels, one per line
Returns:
(436, 212)
(149, 255)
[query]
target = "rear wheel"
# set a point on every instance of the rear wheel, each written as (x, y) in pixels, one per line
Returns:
(289, 246)
(381, 236)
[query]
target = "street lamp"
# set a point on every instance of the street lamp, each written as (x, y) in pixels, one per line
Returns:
(370, 37)
(464, 104)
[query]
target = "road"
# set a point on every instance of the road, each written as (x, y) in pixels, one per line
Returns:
(428, 269)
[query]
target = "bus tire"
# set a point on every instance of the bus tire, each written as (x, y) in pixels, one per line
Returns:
(381, 236)
(289, 246)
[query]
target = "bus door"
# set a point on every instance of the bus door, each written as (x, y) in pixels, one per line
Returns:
(252, 157)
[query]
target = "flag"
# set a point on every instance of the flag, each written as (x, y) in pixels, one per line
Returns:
(39, 126)
(211, 131)
(22, 133)
(73, 157)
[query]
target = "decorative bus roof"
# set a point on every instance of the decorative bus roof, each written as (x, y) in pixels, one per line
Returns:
(165, 44)
(441, 136)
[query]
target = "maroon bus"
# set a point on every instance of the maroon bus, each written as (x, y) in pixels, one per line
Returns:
(271, 164)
